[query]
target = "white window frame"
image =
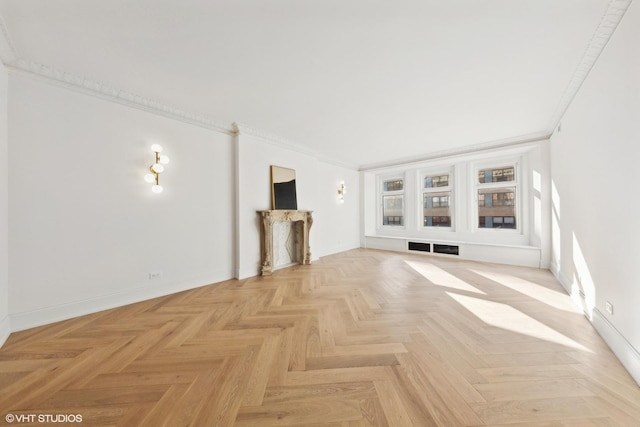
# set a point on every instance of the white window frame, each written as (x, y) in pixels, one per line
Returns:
(422, 175)
(516, 183)
(382, 193)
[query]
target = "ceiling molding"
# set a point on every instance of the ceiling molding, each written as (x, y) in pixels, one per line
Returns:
(241, 129)
(607, 26)
(609, 21)
(107, 92)
(520, 141)
(336, 162)
(7, 50)
(111, 93)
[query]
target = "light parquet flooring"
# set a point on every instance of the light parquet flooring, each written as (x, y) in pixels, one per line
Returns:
(361, 338)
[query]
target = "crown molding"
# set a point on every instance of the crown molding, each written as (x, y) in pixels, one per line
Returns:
(340, 163)
(111, 93)
(519, 141)
(242, 129)
(607, 26)
(7, 50)
(277, 141)
(601, 36)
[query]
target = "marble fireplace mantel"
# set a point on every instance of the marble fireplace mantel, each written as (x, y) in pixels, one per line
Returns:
(302, 223)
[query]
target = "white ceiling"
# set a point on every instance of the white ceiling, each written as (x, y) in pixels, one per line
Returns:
(362, 81)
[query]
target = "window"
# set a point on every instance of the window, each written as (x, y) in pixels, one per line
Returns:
(436, 200)
(394, 185)
(393, 202)
(497, 189)
(498, 222)
(496, 175)
(438, 221)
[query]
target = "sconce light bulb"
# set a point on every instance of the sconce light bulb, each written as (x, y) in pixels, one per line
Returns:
(156, 148)
(150, 178)
(157, 168)
(157, 189)
(164, 159)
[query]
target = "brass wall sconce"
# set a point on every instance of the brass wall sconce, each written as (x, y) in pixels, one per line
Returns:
(342, 190)
(156, 169)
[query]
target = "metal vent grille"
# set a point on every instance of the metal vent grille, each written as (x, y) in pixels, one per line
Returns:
(418, 246)
(446, 249)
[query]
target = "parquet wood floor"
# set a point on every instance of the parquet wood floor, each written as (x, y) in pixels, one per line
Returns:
(361, 338)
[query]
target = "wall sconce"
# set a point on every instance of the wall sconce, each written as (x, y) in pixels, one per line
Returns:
(156, 169)
(342, 190)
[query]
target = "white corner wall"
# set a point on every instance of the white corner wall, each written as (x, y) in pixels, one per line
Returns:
(594, 163)
(4, 209)
(85, 229)
(336, 226)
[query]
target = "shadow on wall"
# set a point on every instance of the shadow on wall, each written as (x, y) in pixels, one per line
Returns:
(537, 205)
(582, 280)
(582, 287)
(556, 241)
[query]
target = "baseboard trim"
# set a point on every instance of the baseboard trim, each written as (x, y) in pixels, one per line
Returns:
(628, 355)
(245, 273)
(624, 351)
(521, 255)
(566, 283)
(339, 249)
(52, 314)
(5, 330)
(554, 268)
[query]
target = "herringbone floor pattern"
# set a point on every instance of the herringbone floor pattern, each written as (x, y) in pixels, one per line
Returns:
(362, 338)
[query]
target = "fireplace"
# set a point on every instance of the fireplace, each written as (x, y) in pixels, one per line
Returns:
(297, 244)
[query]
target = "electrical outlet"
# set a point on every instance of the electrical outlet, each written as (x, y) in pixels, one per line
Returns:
(609, 308)
(155, 275)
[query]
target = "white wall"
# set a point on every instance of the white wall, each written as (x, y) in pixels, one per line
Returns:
(529, 245)
(539, 193)
(337, 223)
(4, 209)
(85, 229)
(594, 162)
(335, 226)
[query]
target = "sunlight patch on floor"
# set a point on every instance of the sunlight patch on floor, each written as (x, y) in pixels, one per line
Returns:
(439, 277)
(506, 317)
(552, 298)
